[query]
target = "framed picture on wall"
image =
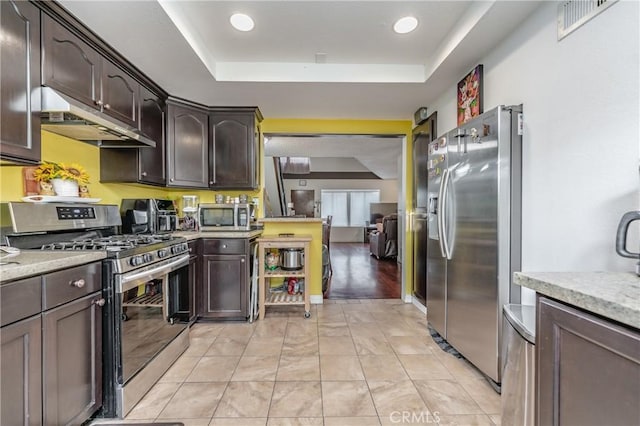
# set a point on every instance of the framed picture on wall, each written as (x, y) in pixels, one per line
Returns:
(470, 95)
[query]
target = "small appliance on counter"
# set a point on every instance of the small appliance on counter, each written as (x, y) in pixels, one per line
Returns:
(190, 210)
(148, 216)
(224, 217)
(621, 238)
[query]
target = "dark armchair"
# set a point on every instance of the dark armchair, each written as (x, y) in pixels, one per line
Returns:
(385, 243)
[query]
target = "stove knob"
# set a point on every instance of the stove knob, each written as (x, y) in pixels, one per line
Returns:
(162, 253)
(148, 257)
(135, 261)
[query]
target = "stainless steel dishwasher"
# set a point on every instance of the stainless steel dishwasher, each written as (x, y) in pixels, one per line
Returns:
(518, 375)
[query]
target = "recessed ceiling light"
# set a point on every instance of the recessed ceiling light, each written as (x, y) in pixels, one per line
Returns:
(405, 25)
(241, 22)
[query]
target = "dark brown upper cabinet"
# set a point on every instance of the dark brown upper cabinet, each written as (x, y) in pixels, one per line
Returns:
(70, 65)
(76, 69)
(152, 124)
(20, 82)
(234, 150)
(120, 94)
(187, 145)
(142, 165)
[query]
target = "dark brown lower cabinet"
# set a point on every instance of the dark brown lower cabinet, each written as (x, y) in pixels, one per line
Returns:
(588, 368)
(51, 352)
(21, 368)
(72, 361)
(225, 278)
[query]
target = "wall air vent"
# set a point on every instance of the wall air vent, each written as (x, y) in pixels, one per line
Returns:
(573, 14)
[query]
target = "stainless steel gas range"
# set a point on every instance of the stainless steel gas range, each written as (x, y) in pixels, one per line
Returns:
(145, 286)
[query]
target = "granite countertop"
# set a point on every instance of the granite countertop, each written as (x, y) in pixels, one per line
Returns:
(194, 235)
(292, 219)
(614, 295)
(36, 262)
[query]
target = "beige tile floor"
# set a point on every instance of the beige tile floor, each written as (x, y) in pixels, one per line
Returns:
(354, 362)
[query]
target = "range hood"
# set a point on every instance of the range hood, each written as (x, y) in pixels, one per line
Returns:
(68, 117)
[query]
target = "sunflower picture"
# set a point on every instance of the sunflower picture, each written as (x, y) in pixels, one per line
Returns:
(75, 172)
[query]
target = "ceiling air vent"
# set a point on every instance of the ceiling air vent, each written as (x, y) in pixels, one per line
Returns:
(573, 14)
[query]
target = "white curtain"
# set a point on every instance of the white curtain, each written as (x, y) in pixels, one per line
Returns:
(348, 207)
(334, 203)
(359, 206)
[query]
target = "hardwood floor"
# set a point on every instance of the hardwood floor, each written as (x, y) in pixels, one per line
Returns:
(358, 275)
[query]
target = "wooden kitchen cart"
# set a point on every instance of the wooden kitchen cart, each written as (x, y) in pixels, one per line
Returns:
(266, 296)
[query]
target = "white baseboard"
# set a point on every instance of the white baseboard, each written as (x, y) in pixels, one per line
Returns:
(418, 304)
(316, 299)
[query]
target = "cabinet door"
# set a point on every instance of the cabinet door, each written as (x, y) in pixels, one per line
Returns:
(588, 368)
(187, 146)
(20, 81)
(224, 280)
(233, 151)
(72, 361)
(21, 372)
(70, 65)
(145, 165)
(152, 118)
(120, 94)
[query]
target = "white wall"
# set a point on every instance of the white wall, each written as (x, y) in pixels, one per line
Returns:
(582, 134)
(388, 194)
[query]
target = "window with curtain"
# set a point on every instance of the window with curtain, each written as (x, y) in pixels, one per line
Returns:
(348, 207)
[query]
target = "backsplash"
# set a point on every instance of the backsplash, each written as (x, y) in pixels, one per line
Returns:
(60, 149)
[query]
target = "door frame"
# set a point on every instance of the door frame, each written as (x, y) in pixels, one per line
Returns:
(405, 139)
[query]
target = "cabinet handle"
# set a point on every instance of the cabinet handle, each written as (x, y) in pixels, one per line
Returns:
(211, 182)
(143, 173)
(98, 102)
(77, 283)
(99, 302)
(107, 106)
(171, 179)
(241, 260)
(224, 246)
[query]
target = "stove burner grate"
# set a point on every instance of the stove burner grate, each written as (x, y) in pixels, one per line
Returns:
(112, 243)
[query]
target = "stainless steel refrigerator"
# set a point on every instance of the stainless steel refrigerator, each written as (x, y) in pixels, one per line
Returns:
(474, 233)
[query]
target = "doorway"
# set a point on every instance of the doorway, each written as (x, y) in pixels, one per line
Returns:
(359, 275)
(303, 202)
(380, 152)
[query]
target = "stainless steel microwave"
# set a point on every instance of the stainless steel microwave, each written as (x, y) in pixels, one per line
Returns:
(224, 217)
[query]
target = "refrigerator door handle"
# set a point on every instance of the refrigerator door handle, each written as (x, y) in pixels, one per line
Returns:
(440, 213)
(444, 243)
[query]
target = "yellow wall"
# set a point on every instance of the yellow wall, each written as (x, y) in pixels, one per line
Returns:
(315, 256)
(60, 149)
(360, 127)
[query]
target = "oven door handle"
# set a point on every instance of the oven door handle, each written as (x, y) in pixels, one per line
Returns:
(126, 282)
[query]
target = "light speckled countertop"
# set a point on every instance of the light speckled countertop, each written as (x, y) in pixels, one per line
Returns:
(614, 295)
(194, 235)
(37, 262)
(292, 219)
